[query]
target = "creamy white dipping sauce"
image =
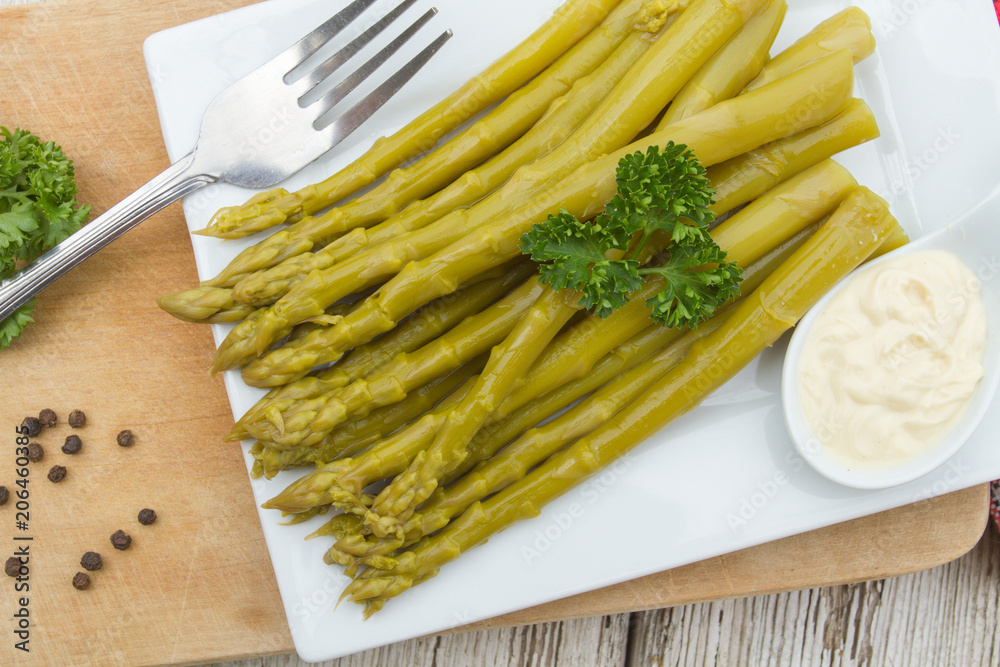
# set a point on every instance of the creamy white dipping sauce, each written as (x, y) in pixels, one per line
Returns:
(892, 362)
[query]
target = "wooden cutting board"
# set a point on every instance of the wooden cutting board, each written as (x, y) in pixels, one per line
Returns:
(198, 585)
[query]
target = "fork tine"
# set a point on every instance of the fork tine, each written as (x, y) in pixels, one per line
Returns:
(347, 122)
(331, 64)
(344, 88)
(291, 59)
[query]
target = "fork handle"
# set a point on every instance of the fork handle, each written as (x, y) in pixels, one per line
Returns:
(176, 181)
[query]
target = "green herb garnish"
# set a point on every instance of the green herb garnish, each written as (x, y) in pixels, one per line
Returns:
(38, 209)
(665, 192)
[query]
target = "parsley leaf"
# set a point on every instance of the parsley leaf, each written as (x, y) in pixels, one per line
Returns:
(38, 208)
(693, 295)
(11, 327)
(659, 192)
(575, 257)
(664, 191)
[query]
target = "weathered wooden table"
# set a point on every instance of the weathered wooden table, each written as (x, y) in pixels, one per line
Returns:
(945, 615)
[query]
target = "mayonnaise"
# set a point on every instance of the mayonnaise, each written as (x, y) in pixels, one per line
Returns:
(892, 362)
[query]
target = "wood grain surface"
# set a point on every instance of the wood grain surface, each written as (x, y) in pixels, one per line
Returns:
(197, 585)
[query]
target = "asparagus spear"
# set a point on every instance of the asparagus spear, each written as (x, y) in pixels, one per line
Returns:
(353, 437)
(508, 362)
(236, 346)
(743, 59)
(308, 422)
(337, 527)
(780, 160)
(562, 117)
(851, 234)
(355, 547)
(897, 239)
(747, 236)
(633, 104)
(341, 483)
(573, 353)
(716, 134)
(210, 305)
(779, 214)
(391, 456)
(849, 29)
(302, 353)
(305, 423)
(743, 239)
(732, 68)
(742, 178)
(415, 331)
(571, 22)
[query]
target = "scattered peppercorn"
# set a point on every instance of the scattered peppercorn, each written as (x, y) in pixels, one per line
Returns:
(33, 425)
(57, 474)
(77, 418)
(35, 452)
(5, 496)
(91, 561)
(147, 516)
(13, 566)
(120, 540)
(47, 417)
(72, 445)
(81, 581)
(126, 438)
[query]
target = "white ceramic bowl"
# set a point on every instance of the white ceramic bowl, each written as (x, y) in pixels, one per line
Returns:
(973, 239)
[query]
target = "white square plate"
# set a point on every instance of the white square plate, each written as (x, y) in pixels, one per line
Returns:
(725, 476)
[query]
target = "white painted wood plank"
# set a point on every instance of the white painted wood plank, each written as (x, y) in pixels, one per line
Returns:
(943, 616)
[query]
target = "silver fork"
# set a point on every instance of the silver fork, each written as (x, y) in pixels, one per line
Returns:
(278, 92)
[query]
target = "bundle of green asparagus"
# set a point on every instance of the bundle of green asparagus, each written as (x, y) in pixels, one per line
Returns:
(657, 166)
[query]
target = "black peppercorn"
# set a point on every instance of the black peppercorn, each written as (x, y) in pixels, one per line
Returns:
(13, 566)
(33, 425)
(126, 438)
(77, 418)
(5, 496)
(120, 540)
(81, 581)
(47, 417)
(91, 561)
(35, 452)
(57, 474)
(147, 516)
(72, 445)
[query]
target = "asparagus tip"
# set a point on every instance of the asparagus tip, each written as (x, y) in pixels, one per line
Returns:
(372, 607)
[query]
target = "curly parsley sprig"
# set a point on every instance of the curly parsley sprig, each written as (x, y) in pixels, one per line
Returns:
(38, 209)
(658, 192)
